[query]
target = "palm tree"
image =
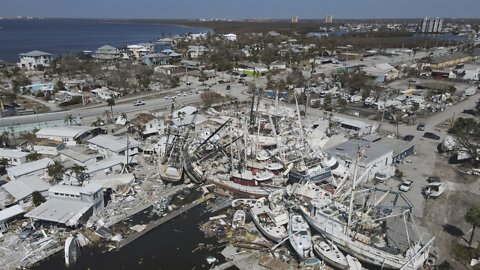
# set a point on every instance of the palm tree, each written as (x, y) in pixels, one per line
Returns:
(4, 139)
(473, 217)
(68, 119)
(111, 103)
(78, 169)
(56, 170)
(33, 156)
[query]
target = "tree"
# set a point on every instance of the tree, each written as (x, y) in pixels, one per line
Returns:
(56, 170)
(33, 156)
(78, 169)
(59, 85)
(37, 198)
(111, 103)
(327, 101)
(342, 103)
(473, 217)
(467, 135)
(415, 107)
(69, 119)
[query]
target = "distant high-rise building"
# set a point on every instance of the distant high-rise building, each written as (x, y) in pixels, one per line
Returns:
(431, 25)
(328, 18)
(294, 19)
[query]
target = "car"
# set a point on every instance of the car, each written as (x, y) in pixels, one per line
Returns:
(139, 102)
(381, 177)
(408, 138)
(421, 127)
(431, 135)
(433, 179)
(243, 75)
(167, 97)
(406, 185)
(228, 87)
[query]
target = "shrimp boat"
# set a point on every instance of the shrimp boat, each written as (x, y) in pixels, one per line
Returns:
(300, 237)
(329, 253)
(262, 216)
(238, 219)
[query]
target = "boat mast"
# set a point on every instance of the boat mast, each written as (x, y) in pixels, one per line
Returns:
(352, 194)
(302, 135)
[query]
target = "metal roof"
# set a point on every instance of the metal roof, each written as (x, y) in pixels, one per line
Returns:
(113, 143)
(349, 149)
(29, 167)
(8, 153)
(75, 190)
(25, 186)
(68, 131)
(62, 211)
(10, 212)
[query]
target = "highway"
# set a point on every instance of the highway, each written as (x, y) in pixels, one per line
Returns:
(98, 110)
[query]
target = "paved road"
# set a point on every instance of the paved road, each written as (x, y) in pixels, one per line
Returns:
(151, 104)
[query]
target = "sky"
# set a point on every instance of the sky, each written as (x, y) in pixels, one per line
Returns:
(241, 9)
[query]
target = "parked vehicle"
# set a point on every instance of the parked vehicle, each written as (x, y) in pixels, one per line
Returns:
(433, 179)
(381, 177)
(421, 127)
(431, 135)
(408, 138)
(139, 102)
(435, 190)
(471, 112)
(406, 185)
(228, 87)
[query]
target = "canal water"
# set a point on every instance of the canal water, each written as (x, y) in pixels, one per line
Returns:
(169, 246)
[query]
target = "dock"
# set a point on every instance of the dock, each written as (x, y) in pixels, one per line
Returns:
(134, 236)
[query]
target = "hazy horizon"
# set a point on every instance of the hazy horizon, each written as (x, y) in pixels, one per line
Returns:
(246, 9)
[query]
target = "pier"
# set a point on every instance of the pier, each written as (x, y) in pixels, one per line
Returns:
(164, 219)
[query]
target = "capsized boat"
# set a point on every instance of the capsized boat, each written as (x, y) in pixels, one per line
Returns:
(238, 219)
(72, 250)
(353, 263)
(262, 217)
(329, 253)
(300, 237)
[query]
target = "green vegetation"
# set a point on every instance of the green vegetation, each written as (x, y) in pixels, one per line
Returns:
(37, 198)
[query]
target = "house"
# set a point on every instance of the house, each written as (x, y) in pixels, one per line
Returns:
(14, 157)
(155, 59)
(7, 214)
(70, 205)
(381, 72)
(110, 166)
(111, 146)
(146, 124)
(34, 59)
(278, 65)
(196, 51)
(80, 155)
(375, 158)
(345, 56)
(355, 127)
(104, 93)
(37, 87)
(37, 167)
(449, 60)
(137, 51)
(47, 147)
(22, 188)
(107, 52)
(230, 37)
(70, 135)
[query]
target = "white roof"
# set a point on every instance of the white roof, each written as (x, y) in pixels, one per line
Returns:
(63, 211)
(112, 181)
(25, 186)
(35, 54)
(29, 167)
(104, 164)
(10, 212)
(8, 153)
(113, 143)
(188, 110)
(384, 66)
(351, 122)
(68, 131)
(76, 190)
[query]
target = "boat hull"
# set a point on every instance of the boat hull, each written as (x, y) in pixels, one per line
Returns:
(250, 191)
(263, 231)
(363, 252)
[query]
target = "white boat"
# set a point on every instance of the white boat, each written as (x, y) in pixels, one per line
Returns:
(72, 250)
(353, 263)
(436, 189)
(238, 219)
(262, 217)
(300, 237)
(329, 253)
